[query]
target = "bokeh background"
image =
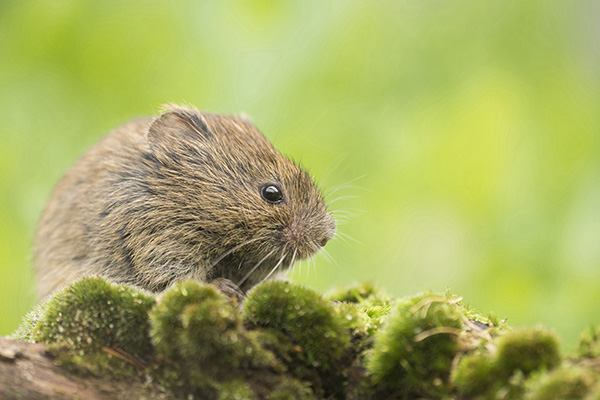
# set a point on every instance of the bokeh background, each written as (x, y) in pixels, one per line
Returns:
(458, 140)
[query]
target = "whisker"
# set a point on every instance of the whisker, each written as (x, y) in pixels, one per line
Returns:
(228, 252)
(346, 185)
(343, 235)
(274, 268)
(333, 166)
(341, 217)
(329, 257)
(291, 273)
(300, 267)
(338, 237)
(293, 257)
(345, 213)
(255, 267)
(329, 202)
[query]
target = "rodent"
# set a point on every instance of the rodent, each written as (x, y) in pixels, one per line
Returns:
(185, 195)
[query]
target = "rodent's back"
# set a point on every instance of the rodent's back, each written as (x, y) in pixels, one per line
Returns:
(65, 246)
(181, 196)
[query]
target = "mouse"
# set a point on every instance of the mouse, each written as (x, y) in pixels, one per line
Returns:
(183, 195)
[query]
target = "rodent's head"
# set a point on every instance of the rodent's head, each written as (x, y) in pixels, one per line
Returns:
(248, 209)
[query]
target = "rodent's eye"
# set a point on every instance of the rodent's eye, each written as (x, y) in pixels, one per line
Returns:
(272, 193)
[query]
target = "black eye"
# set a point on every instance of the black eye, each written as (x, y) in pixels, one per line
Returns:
(271, 193)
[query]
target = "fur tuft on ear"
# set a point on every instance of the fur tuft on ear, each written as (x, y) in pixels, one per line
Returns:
(184, 108)
(245, 117)
(176, 133)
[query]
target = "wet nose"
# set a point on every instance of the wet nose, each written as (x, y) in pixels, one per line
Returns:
(327, 235)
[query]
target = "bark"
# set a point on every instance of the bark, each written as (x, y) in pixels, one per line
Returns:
(30, 371)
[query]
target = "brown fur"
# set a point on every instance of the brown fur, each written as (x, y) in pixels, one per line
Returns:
(178, 197)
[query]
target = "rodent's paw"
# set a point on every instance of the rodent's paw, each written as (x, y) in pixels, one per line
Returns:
(229, 289)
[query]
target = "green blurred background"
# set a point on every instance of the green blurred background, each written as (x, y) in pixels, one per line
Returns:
(461, 139)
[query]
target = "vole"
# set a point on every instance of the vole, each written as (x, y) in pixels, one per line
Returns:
(185, 195)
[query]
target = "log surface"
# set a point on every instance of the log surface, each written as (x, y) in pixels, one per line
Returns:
(29, 371)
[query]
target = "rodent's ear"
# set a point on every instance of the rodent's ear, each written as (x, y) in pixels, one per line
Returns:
(176, 133)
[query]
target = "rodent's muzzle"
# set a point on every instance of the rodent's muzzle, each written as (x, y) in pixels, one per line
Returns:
(306, 237)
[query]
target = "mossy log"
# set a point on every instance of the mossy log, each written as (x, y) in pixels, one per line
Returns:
(283, 341)
(31, 371)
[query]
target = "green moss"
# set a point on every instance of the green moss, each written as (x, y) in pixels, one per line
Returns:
(91, 321)
(93, 363)
(304, 315)
(313, 340)
(235, 390)
(594, 393)
(475, 376)
(357, 322)
(491, 320)
(589, 343)
(292, 389)
(566, 383)
(527, 350)
(290, 342)
(93, 313)
(355, 294)
(413, 354)
(30, 321)
(173, 309)
(365, 308)
(199, 336)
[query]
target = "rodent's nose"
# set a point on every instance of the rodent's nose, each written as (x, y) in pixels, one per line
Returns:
(327, 234)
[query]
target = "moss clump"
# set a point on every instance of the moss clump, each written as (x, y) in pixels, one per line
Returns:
(491, 321)
(94, 327)
(312, 339)
(412, 355)
(361, 327)
(356, 294)
(594, 394)
(365, 309)
(236, 390)
(589, 343)
(91, 314)
(475, 375)
(503, 373)
(527, 350)
(199, 335)
(30, 321)
(566, 383)
(292, 389)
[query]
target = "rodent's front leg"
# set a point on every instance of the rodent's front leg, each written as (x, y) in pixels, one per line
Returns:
(229, 288)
